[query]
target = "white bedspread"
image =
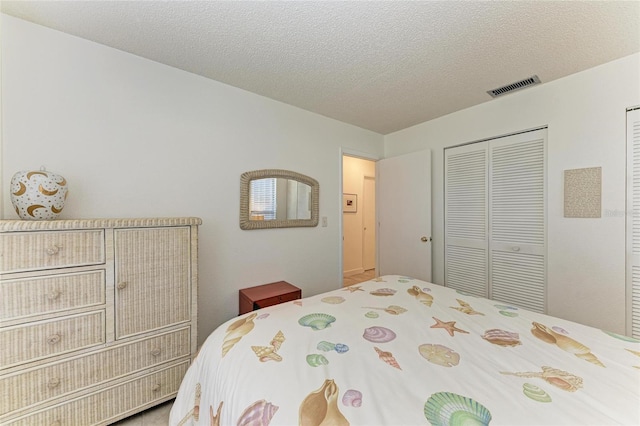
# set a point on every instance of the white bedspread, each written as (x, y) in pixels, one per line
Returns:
(399, 351)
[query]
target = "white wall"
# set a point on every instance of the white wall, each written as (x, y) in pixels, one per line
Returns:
(585, 113)
(135, 138)
(354, 170)
(1, 132)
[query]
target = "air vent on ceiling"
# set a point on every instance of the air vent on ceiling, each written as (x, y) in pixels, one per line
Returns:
(522, 84)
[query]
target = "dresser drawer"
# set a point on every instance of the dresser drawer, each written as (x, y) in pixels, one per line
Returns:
(276, 300)
(24, 343)
(27, 251)
(55, 380)
(109, 404)
(27, 297)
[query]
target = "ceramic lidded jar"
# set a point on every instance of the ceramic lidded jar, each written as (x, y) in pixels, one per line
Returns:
(38, 195)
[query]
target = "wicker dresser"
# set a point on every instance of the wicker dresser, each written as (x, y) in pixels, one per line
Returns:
(97, 317)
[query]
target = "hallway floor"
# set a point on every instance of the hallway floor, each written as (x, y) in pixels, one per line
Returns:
(358, 278)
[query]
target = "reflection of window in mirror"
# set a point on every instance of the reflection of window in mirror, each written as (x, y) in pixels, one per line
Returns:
(262, 203)
(279, 199)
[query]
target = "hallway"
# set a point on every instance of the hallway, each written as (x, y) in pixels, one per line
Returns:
(358, 278)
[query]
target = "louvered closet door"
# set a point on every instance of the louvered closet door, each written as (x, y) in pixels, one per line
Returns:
(633, 223)
(517, 267)
(495, 219)
(466, 219)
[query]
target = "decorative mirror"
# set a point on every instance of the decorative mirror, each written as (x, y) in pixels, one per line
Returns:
(273, 198)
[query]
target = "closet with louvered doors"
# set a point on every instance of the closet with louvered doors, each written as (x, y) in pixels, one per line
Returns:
(633, 223)
(495, 219)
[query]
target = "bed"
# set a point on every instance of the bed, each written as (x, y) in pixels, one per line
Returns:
(399, 351)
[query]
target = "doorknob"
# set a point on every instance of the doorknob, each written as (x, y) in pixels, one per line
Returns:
(425, 239)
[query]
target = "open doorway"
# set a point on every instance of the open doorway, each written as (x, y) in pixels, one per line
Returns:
(358, 219)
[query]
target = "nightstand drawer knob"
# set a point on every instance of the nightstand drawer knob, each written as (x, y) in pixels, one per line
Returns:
(157, 387)
(54, 338)
(121, 285)
(54, 295)
(53, 383)
(156, 352)
(53, 250)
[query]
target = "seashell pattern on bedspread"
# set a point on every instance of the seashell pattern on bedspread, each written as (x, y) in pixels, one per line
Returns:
(320, 407)
(236, 331)
(447, 408)
(429, 355)
(565, 343)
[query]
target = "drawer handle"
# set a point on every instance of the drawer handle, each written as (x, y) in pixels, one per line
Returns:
(121, 285)
(53, 250)
(54, 295)
(156, 352)
(53, 383)
(157, 387)
(54, 338)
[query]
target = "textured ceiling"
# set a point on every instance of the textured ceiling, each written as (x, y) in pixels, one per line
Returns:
(383, 66)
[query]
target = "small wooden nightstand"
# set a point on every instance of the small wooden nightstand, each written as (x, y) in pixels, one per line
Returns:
(261, 296)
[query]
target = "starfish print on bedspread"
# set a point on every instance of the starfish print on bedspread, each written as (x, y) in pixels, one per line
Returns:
(450, 326)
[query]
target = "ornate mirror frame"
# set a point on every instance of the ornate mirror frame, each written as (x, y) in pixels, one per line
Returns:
(245, 186)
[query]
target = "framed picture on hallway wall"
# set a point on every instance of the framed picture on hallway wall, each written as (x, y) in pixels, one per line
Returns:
(349, 203)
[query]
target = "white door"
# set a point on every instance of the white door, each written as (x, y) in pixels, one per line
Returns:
(404, 215)
(466, 219)
(369, 224)
(517, 261)
(633, 223)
